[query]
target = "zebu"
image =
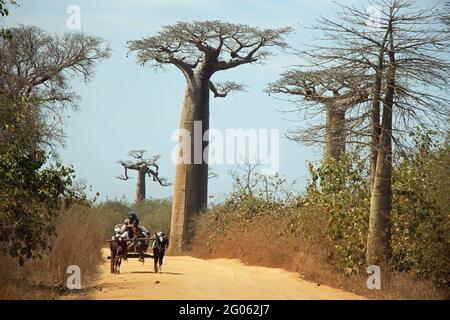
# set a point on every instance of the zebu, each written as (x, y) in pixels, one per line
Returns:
(118, 247)
(159, 245)
(124, 247)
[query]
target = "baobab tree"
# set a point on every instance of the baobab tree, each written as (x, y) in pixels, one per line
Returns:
(144, 167)
(404, 51)
(331, 91)
(37, 67)
(200, 49)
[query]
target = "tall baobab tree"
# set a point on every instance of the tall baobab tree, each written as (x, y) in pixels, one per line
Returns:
(331, 91)
(404, 50)
(144, 167)
(200, 49)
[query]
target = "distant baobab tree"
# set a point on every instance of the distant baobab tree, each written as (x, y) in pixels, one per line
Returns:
(200, 49)
(144, 167)
(332, 91)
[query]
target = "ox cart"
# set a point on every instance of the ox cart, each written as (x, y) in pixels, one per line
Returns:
(132, 245)
(124, 247)
(133, 248)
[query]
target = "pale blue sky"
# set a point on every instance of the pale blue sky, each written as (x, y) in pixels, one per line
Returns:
(127, 106)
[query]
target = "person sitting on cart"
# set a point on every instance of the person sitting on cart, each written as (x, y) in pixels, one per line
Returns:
(132, 223)
(136, 231)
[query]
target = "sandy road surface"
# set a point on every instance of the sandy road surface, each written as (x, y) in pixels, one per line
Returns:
(185, 277)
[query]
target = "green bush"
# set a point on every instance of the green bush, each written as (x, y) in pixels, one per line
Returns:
(31, 198)
(421, 210)
(154, 214)
(341, 192)
(32, 188)
(112, 212)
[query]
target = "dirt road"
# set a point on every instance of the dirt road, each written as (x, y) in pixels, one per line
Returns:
(185, 277)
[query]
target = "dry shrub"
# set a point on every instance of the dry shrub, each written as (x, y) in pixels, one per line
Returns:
(264, 242)
(79, 241)
(323, 233)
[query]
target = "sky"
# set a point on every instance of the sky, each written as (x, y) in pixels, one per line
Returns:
(127, 106)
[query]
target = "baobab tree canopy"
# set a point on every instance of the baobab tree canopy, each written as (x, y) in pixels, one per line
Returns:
(199, 49)
(208, 45)
(335, 91)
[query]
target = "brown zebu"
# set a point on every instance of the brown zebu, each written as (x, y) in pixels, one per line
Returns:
(118, 247)
(160, 244)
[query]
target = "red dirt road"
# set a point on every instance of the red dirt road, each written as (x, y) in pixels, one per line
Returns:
(185, 277)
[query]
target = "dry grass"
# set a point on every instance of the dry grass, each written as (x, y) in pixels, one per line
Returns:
(79, 242)
(261, 243)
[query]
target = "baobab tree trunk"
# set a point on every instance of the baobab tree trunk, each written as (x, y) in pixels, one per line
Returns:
(375, 107)
(378, 240)
(375, 118)
(334, 133)
(140, 185)
(190, 194)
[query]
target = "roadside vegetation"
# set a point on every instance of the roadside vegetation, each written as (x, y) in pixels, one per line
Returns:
(373, 92)
(78, 239)
(46, 222)
(322, 233)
